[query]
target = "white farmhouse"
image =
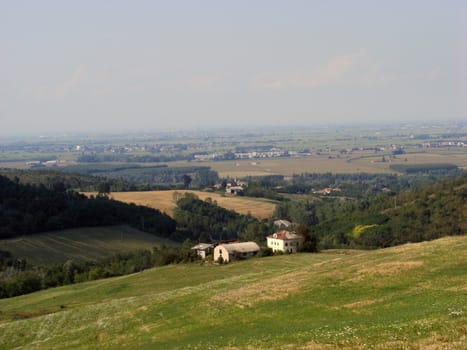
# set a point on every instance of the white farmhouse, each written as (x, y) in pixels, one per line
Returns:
(235, 251)
(285, 241)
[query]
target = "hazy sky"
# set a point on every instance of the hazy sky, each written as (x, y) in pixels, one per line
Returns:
(149, 65)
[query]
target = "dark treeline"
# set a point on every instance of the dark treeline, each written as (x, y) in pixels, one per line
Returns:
(424, 168)
(204, 221)
(151, 176)
(72, 181)
(127, 158)
(17, 277)
(26, 208)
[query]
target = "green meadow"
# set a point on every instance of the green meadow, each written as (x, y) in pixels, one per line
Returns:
(408, 297)
(80, 244)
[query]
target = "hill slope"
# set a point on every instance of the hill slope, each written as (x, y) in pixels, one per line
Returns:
(411, 296)
(80, 244)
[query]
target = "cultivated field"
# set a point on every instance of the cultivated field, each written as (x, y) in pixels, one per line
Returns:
(327, 161)
(79, 244)
(290, 166)
(164, 201)
(407, 297)
(457, 157)
(363, 162)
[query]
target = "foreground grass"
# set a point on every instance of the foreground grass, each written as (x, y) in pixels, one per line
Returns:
(81, 244)
(413, 296)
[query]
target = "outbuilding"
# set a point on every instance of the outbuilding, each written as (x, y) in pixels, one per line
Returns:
(203, 249)
(227, 252)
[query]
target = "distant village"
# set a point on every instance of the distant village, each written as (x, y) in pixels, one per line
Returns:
(221, 150)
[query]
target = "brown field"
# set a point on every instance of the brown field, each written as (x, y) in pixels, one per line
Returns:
(290, 166)
(361, 162)
(163, 200)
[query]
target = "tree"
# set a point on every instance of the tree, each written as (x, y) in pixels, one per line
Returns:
(103, 189)
(310, 241)
(186, 180)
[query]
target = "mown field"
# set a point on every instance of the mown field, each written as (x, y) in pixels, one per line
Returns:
(164, 201)
(408, 297)
(80, 244)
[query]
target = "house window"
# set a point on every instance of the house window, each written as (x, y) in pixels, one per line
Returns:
(286, 244)
(220, 251)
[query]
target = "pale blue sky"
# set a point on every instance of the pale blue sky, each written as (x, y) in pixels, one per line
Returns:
(149, 65)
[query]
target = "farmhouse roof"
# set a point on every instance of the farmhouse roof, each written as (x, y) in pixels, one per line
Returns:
(202, 246)
(284, 235)
(242, 247)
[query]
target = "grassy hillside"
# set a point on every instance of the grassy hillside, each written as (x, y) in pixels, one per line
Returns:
(163, 201)
(79, 244)
(407, 297)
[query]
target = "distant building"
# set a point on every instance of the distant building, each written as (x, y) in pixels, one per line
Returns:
(235, 187)
(327, 191)
(235, 251)
(285, 241)
(203, 249)
(282, 223)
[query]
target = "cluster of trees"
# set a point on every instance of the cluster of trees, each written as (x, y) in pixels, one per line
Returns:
(300, 211)
(421, 213)
(262, 188)
(26, 208)
(200, 220)
(17, 277)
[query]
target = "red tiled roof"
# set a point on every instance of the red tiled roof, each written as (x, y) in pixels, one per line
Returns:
(284, 235)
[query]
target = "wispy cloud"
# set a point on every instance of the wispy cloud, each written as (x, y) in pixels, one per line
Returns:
(352, 68)
(78, 78)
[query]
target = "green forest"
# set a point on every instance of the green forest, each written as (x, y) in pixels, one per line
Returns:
(26, 209)
(423, 212)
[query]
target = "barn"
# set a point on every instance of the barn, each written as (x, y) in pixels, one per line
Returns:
(227, 252)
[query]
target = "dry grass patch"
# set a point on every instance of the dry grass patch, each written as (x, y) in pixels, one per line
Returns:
(276, 288)
(164, 201)
(390, 268)
(362, 303)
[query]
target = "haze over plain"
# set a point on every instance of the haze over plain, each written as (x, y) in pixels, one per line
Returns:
(151, 65)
